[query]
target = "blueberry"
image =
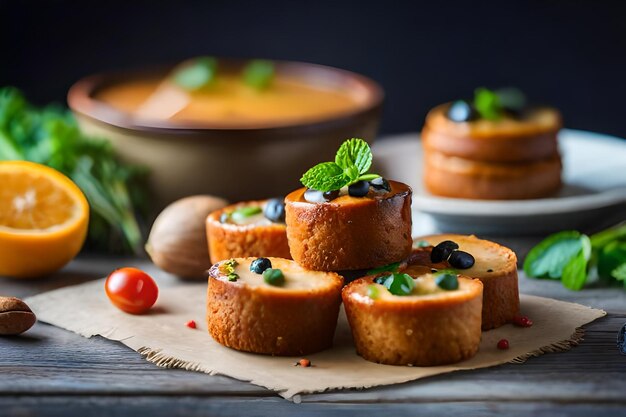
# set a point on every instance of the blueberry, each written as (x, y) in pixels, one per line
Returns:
(359, 189)
(259, 265)
(330, 195)
(462, 111)
(380, 184)
(461, 260)
(442, 251)
(275, 210)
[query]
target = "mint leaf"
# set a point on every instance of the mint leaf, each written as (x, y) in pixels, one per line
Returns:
(619, 273)
(575, 272)
(610, 256)
(399, 284)
(354, 152)
(259, 74)
(487, 104)
(550, 256)
(326, 176)
(368, 177)
(197, 74)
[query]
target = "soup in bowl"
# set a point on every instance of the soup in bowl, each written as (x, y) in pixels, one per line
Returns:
(241, 129)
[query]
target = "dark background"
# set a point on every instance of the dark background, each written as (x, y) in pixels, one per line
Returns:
(571, 54)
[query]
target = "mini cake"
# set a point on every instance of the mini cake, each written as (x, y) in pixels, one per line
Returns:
(254, 228)
(432, 319)
(493, 264)
(490, 149)
(351, 223)
(272, 306)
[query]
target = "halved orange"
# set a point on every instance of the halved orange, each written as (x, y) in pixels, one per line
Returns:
(43, 219)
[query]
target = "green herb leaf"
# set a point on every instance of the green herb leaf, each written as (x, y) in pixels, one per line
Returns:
(354, 152)
(242, 213)
(393, 267)
(487, 104)
(447, 280)
(372, 292)
(274, 277)
(603, 238)
(367, 177)
(619, 273)
(575, 271)
(326, 176)
(610, 256)
(550, 256)
(420, 244)
(197, 74)
(399, 284)
(259, 74)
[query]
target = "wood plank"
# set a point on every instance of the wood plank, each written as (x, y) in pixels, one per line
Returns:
(189, 406)
(53, 361)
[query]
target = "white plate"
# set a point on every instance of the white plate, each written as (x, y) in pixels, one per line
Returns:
(594, 173)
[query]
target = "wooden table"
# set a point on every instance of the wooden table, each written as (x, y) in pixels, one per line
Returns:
(60, 373)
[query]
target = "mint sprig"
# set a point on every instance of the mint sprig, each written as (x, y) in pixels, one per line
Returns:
(352, 161)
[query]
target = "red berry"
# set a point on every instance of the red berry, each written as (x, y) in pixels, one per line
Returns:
(305, 363)
(522, 321)
(503, 344)
(191, 324)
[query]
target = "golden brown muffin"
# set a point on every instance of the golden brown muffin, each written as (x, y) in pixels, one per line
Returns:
(296, 318)
(495, 265)
(428, 327)
(451, 176)
(509, 140)
(256, 237)
(350, 233)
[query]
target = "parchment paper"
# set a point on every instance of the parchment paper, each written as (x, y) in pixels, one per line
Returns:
(162, 337)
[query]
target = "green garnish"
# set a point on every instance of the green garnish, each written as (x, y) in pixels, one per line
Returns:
(549, 258)
(487, 104)
(447, 280)
(243, 213)
(372, 292)
(421, 244)
(259, 74)
(573, 257)
(352, 161)
(274, 276)
(397, 283)
(229, 269)
(199, 73)
(50, 136)
(385, 268)
(492, 104)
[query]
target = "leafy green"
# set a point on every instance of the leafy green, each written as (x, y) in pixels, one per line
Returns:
(352, 161)
(487, 104)
(274, 277)
(447, 280)
(619, 273)
(575, 271)
(326, 176)
(243, 213)
(397, 283)
(549, 257)
(199, 73)
(393, 267)
(50, 136)
(572, 257)
(259, 74)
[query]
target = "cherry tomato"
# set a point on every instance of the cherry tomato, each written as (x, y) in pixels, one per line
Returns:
(131, 290)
